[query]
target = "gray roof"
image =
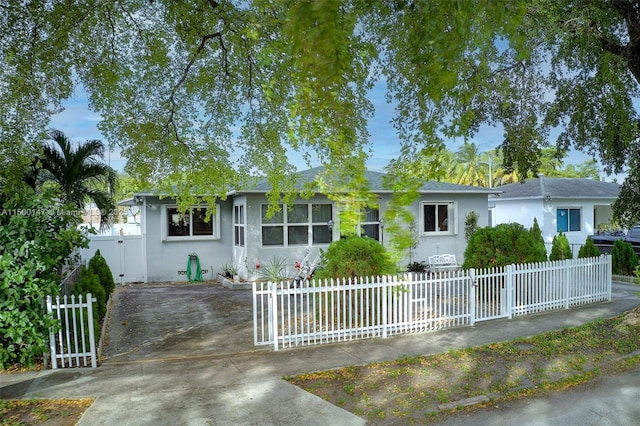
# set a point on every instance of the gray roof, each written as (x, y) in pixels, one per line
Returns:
(560, 188)
(375, 181)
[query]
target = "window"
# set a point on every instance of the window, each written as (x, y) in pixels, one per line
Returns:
(301, 224)
(238, 225)
(190, 224)
(438, 218)
(370, 225)
(568, 220)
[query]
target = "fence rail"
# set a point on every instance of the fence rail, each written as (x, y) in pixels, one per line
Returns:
(337, 310)
(73, 344)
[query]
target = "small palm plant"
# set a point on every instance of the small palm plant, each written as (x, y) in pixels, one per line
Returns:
(276, 270)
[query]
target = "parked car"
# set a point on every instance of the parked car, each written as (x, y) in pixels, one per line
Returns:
(604, 241)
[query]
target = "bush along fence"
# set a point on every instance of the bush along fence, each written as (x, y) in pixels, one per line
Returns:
(326, 311)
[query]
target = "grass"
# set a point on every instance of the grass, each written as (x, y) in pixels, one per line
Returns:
(58, 412)
(426, 389)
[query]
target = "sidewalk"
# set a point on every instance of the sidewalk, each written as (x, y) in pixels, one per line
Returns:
(246, 387)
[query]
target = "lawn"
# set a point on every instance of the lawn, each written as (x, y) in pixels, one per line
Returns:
(424, 389)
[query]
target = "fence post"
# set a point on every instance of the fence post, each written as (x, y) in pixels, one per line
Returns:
(52, 337)
(472, 295)
(92, 338)
(567, 283)
(510, 272)
(607, 276)
(273, 313)
(384, 306)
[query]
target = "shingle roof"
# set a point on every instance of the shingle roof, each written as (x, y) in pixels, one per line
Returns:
(560, 188)
(375, 181)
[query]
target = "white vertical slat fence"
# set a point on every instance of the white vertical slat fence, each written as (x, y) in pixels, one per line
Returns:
(74, 343)
(347, 309)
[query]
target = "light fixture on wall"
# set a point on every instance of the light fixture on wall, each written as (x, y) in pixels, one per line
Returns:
(330, 224)
(382, 231)
(138, 199)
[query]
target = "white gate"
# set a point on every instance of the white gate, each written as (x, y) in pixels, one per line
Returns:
(74, 343)
(124, 255)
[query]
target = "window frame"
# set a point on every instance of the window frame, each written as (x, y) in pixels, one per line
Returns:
(569, 221)
(288, 225)
(452, 214)
(214, 220)
(239, 227)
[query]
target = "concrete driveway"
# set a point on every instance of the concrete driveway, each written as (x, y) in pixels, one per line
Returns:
(167, 321)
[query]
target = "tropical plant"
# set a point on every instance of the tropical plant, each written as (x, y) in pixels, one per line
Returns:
(80, 173)
(275, 270)
(470, 168)
(36, 240)
(470, 224)
(98, 265)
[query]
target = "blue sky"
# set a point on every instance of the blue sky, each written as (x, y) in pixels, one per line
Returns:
(79, 123)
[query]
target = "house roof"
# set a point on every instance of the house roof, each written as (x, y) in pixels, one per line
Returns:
(542, 187)
(376, 184)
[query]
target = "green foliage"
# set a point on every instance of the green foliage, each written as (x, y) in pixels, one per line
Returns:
(37, 238)
(502, 245)
(355, 257)
(98, 265)
(560, 248)
(88, 282)
(589, 249)
(536, 232)
(276, 270)
(470, 225)
(624, 260)
(417, 267)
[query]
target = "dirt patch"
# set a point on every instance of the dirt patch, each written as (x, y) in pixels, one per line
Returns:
(58, 412)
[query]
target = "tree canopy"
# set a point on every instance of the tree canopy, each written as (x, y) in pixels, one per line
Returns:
(202, 94)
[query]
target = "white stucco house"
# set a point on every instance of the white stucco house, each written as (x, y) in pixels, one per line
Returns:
(240, 232)
(574, 206)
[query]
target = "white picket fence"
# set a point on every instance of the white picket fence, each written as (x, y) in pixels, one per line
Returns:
(338, 310)
(73, 344)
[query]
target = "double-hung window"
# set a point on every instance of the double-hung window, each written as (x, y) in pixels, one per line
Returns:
(238, 225)
(438, 218)
(568, 219)
(191, 224)
(298, 224)
(370, 223)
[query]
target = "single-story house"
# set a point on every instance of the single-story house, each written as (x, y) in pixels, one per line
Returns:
(571, 205)
(240, 233)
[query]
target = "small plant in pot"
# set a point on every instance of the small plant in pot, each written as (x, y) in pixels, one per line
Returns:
(229, 270)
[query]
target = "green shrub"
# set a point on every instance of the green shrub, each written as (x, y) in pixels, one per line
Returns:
(417, 267)
(98, 265)
(470, 225)
(624, 260)
(355, 257)
(589, 249)
(35, 243)
(536, 233)
(560, 248)
(502, 245)
(88, 282)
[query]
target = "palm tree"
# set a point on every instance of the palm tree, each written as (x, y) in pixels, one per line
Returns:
(80, 173)
(471, 170)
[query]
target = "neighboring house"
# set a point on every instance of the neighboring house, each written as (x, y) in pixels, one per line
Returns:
(574, 206)
(240, 233)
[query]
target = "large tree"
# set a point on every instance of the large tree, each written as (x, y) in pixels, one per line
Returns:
(201, 93)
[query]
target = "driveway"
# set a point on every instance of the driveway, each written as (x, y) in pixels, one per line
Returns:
(168, 321)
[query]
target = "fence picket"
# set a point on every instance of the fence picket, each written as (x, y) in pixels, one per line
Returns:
(69, 344)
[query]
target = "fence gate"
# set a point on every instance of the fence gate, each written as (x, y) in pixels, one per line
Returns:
(492, 295)
(74, 343)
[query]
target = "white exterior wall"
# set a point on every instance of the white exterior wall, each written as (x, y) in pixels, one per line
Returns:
(524, 210)
(167, 260)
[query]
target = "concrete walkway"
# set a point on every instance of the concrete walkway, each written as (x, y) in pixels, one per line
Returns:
(170, 362)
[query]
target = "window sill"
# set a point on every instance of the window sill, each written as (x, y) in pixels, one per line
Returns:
(192, 238)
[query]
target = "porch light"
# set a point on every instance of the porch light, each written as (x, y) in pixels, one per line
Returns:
(381, 223)
(330, 224)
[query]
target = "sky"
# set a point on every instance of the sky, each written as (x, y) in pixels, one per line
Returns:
(79, 123)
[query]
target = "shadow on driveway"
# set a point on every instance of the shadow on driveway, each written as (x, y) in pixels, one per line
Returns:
(168, 320)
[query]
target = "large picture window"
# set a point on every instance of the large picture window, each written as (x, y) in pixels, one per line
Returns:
(191, 224)
(568, 219)
(438, 218)
(298, 224)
